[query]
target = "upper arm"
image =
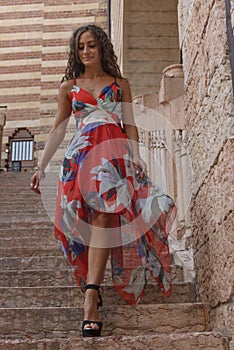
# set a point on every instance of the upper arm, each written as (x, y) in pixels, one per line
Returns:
(128, 117)
(126, 90)
(64, 105)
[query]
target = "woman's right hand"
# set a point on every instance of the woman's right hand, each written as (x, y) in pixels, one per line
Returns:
(35, 181)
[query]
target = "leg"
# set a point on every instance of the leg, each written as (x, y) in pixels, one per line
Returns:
(97, 257)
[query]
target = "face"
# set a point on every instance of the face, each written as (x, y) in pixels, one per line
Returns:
(88, 50)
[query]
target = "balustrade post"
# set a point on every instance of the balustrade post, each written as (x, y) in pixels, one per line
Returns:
(163, 151)
(180, 204)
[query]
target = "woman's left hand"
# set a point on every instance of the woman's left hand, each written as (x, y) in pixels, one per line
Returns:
(139, 165)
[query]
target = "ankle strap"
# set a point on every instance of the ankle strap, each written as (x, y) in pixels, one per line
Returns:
(92, 286)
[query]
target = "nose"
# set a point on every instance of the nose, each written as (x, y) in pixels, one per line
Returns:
(86, 49)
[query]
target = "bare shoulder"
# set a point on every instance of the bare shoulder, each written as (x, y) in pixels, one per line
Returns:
(123, 83)
(126, 89)
(66, 86)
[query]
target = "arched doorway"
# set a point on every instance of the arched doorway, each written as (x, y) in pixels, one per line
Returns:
(21, 150)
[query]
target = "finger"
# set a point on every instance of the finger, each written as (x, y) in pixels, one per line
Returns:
(141, 168)
(36, 190)
(137, 173)
(143, 171)
(35, 184)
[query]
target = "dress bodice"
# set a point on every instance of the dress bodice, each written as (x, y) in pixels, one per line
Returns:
(106, 107)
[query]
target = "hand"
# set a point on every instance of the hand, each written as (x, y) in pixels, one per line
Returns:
(35, 181)
(139, 165)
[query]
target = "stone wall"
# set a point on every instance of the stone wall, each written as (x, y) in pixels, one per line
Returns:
(33, 53)
(209, 111)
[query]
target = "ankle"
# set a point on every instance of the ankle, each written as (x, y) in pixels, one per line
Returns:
(91, 296)
(93, 291)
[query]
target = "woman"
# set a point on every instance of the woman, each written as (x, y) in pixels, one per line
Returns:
(105, 201)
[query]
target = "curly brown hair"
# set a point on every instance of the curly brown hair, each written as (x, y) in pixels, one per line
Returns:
(75, 68)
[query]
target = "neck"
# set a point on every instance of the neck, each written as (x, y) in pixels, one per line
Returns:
(93, 73)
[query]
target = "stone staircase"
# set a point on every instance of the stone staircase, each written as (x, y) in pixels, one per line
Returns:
(41, 305)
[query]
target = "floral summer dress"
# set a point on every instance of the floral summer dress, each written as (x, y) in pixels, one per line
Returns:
(98, 175)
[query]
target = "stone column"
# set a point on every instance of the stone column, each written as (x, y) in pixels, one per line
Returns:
(2, 123)
(117, 8)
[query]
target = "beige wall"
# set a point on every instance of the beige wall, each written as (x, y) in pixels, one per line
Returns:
(208, 104)
(150, 41)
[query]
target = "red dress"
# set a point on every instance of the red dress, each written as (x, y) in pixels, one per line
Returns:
(98, 175)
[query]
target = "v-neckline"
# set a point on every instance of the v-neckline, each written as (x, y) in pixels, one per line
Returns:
(100, 93)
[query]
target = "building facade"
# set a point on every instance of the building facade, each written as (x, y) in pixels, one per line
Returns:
(33, 51)
(148, 36)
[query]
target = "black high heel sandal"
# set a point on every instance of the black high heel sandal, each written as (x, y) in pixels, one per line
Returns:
(91, 332)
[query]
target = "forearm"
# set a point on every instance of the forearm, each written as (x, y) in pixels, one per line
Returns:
(56, 137)
(132, 133)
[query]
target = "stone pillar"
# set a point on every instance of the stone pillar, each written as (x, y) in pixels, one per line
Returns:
(2, 123)
(172, 83)
(117, 7)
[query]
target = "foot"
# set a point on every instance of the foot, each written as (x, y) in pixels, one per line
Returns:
(90, 309)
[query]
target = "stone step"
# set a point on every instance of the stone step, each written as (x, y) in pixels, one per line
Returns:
(182, 341)
(120, 320)
(41, 256)
(27, 223)
(27, 216)
(55, 262)
(30, 252)
(34, 230)
(46, 262)
(25, 195)
(20, 188)
(60, 275)
(65, 295)
(33, 263)
(34, 209)
(27, 241)
(22, 205)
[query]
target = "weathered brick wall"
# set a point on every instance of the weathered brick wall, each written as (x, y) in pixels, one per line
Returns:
(20, 69)
(33, 52)
(209, 108)
(150, 42)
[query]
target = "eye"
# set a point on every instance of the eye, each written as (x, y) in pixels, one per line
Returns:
(81, 48)
(92, 46)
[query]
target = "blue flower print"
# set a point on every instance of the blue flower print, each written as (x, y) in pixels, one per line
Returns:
(77, 105)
